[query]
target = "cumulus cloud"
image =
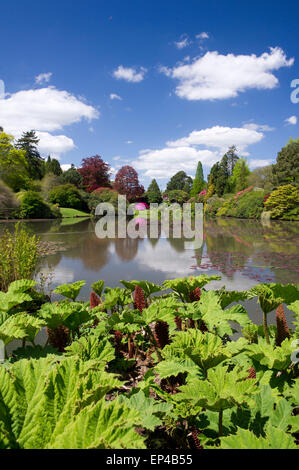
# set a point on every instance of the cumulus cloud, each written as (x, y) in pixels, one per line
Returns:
(54, 144)
(43, 78)
(206, 145)
(258, 127)
(165, 162)
(129, 74)
(46, 110)
(114, 96)
(220, 137)
(216, 76)
(292, 120)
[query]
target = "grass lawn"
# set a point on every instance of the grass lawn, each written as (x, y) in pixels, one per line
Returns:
(67, 213)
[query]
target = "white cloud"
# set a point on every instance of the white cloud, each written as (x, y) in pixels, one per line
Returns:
(292, 120)
(183, 42)
(184, 154)
(129, 142)
(220, 137)
(129, 74)
(116, 158)
(259, 163)
(45, 110)
(43, 78)
(258, 127)
(66, 167)
(167, 161)
(54, 144)
(216, 76)
(202, 35)
(114, 96)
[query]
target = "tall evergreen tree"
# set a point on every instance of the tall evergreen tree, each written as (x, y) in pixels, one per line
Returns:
(286, 169)
(29, 142)
(198, 183)
(154, 195)
(72, 176)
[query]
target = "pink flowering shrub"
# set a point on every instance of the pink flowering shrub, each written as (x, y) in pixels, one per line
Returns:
(247, 190)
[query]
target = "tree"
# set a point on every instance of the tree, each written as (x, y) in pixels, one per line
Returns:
(222, 181)
(95, 173)
(154, 195)
(232, 159)
(180, 181)
(13, 164)
(286, 169)
(127, 183)
(36, 165)
(198, 183)
(53, 166)
(72, 176)
(239, 179)
(262, 178)
(66, 195)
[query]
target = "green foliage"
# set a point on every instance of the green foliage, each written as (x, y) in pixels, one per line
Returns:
(53, 166)
(282, 200)
(248, 205)
(286, 169)
(9, 204)
(72, 176)
(28, 144)
(18, 256)
(239, 179)
(66, 195)
(153, 193)
(103, 196)
(13, 164)
(178, 196)
(70, 291)
(180, 182)
(34, 207)
(198, 183)
(231, 394)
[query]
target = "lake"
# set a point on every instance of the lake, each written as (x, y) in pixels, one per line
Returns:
(243, 252)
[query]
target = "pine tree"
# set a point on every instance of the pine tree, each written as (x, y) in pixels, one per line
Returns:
(198, 183)
(29, 142)
(154, 195)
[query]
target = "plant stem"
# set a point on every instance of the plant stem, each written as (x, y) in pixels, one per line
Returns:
(220, 423)
(266, 328)
(150, 333)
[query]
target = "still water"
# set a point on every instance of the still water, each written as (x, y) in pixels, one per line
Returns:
(243, 252)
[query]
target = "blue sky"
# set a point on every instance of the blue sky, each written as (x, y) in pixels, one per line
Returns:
(191, 78)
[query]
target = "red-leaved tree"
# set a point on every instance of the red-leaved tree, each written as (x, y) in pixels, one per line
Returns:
(127, 183)
(95, 172)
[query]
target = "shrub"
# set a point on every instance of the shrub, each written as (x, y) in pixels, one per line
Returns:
(34, 207)
(213, 205)
(18, 256)
(102, 195)
(48, 183)
(282, 200)
(66, 195)
(247, 205)
(177, 196)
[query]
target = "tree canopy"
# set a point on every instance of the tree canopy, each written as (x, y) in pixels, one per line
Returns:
(286, 169)
(36, 165)
(127, 183)
(198, 183)
(180, 181)
(13, 164)
(95, 173)
(154, 195)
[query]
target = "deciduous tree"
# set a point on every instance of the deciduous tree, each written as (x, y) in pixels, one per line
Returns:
(95, 173)
(127, 183)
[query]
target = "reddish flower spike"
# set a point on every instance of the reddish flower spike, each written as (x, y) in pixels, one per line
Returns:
(139, 297)
(283, 331)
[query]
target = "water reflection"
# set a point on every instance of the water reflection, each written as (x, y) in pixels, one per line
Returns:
(243, 252)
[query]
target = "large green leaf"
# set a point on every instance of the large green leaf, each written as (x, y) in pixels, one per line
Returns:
(245, 439)
(20, 326)
(70, 291)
